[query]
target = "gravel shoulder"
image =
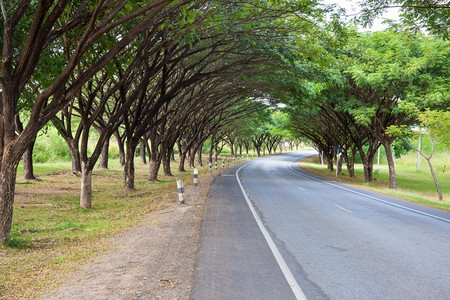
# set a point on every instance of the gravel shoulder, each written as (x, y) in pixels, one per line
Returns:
(153, 260)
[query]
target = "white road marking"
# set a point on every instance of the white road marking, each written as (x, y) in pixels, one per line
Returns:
(344, 209)
(371, 197)
(301, 188)
(283, 266)
(284, 179)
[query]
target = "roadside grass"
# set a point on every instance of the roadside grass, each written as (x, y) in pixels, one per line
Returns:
(413, 185)
(51, 236)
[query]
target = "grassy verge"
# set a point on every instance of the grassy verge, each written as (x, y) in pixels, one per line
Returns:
(415, 186)
(51, 236)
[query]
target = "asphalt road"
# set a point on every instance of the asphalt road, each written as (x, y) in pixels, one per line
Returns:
(278, 232)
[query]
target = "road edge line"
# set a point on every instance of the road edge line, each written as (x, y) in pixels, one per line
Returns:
(372, 197)
(299, 295)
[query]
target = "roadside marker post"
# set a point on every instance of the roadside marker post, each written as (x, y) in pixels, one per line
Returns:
(223, 163)
(215, 165)
(180, 186)
(228, 162)
(195, 177)
(210, 168)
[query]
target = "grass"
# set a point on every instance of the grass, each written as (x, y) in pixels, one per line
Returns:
(413, 185)
(51, 235)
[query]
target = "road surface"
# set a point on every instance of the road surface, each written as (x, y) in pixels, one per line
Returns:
(278, 232)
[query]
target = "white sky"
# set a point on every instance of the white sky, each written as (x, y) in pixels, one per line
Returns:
(352, 8)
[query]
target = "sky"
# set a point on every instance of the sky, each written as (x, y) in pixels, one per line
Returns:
(352, 8)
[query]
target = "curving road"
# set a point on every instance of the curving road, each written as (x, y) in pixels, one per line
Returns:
(273, 231)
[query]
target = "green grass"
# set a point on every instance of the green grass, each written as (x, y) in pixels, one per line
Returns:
(51, 235)
(413, 185)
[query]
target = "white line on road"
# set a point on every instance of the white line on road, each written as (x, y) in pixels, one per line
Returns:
(371, 197)
(283, 266)
(301, 188)
(344, 209)
(284, 179)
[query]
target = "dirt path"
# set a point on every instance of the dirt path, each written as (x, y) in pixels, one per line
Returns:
(154, 260)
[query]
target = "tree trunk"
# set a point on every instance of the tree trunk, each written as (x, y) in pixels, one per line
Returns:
(330, 163)
(350, 163)
(154, 164)
(210, 157)
(128, 171)
(391, 165)
(199, 156)
(191, 158)
(436, 184)
(368, 169)
(86, 186)
(28, 162)
(142, 152)
(182, 160)
(75, 156)
(7, 188)
(121, 146)
(166, 163)
(103, 163)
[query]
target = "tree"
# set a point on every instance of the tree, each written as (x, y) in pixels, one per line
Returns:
(436, 126)
(431, 15)
(42, 25)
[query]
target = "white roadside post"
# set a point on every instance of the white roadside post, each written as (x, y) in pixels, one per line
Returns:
(210, 168)
(180, 187)
(215, 165)
(234, 160)
(195, 177)
(223, 163)
(228, 162)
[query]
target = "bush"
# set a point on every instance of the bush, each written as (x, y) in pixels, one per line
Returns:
(50, 147)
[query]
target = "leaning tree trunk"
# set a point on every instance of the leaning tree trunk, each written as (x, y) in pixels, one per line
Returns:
(28, 162)
(436, 184)
(103, 163)
(391, 165)
(86, 186)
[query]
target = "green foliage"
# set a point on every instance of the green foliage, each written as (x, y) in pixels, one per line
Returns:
(50, 147)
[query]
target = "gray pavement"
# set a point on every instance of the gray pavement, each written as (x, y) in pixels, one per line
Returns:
(339, 242)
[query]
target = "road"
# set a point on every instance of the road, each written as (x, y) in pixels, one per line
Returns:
(278, 232)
